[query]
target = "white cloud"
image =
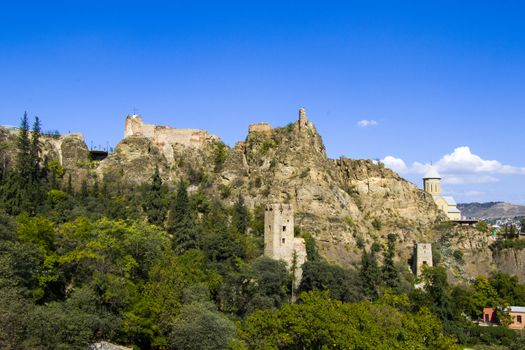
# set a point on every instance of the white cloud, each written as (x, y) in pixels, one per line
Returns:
(464, 179)
(396, 164)
(459, 167)
(365, 123)
(465, 193)
(462, 160)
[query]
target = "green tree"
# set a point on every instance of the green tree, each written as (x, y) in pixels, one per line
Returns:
(220, 154)
(508, 288)
(199, 325)
(318, 322)
(153, 200)
(23, 160)
(369, 274)
(263, 284)
(339, 282)
(240, 215)
(438, 289)
(181, 222)
(390, 272)
(312, 254)
(34, 152)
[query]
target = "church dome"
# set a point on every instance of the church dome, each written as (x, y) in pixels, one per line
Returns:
(432, 173)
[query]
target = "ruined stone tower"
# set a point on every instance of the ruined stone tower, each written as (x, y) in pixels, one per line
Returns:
(303, 119)
(422, 257)
(279, 240)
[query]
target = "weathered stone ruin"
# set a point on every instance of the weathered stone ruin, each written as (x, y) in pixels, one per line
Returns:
(164, 136)
(279, 240)
(261, 129)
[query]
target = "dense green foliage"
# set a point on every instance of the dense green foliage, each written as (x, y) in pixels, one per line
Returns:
(158, 268)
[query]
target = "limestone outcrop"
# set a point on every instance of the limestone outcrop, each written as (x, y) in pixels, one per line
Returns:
(343, 203)
(511, 261)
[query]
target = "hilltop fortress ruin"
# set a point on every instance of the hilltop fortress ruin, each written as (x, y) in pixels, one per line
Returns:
(164, 136)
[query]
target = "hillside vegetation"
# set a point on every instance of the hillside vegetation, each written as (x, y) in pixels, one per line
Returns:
(139, 252)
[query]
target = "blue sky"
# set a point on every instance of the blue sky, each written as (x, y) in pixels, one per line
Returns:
(436, 77)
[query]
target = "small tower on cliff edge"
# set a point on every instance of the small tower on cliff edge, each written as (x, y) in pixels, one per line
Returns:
(422, 257)
(303, 120)
(133, 124)
(279, 240)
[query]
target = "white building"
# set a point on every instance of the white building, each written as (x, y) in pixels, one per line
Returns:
(432, 185)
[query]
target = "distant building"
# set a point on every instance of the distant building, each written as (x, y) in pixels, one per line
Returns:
(489, 316)
(432, 185)
(516, 313)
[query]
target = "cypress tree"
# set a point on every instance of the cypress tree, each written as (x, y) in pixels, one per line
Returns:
(69, 188)
(15, 190)
(181, 223)
(84, 190)
(370, 275)
(23, 160)
(34, 152)
(240, 215)
(390, 273)
(153, 200)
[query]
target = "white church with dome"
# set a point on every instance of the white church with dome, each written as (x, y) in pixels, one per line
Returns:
(432, 185)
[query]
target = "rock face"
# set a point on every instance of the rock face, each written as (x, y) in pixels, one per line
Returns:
(343, 203)
(69, 150)
(511, 261)
(104, 345)
(340, 202)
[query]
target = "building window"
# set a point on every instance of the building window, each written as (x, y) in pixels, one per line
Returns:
(284, 240)
(284, 228)
(518, 319)
(487, 318)
(270, 227)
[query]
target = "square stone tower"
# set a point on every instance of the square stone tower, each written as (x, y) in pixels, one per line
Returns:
(423, 257)
(279, 240)
(278, 231)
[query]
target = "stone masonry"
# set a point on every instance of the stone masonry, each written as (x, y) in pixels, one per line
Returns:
(164, 136)
(423, 257)
(279, 240)
(261, 128)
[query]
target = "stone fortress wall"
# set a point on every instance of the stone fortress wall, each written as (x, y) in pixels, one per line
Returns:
(164, 136)
(261, 128)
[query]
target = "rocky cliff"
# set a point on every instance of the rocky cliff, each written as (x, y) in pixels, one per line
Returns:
(343, 203)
